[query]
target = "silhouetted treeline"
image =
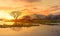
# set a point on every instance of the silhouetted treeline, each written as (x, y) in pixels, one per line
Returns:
(41, 17)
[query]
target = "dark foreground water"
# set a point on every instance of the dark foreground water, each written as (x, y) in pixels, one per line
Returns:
(42, 30)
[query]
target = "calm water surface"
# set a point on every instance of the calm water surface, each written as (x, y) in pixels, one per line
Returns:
(42, 30)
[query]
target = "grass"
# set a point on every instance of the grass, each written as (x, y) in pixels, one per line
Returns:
(47, 22)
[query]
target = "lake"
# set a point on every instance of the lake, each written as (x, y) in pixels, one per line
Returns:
(42, 30)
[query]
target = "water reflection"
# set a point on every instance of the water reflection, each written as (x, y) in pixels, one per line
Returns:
(16, 28)
(42, 30)
(32, 30)
(22, 28)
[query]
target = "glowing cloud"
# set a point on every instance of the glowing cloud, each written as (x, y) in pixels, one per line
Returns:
(36, 5)
(5, 15)
(31, 0)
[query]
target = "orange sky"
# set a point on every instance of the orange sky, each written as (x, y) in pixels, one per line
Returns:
(28, 7)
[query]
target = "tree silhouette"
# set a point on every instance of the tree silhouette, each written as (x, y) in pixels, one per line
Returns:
(15, 14)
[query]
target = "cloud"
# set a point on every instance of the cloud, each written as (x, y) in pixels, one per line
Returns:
(31, 0)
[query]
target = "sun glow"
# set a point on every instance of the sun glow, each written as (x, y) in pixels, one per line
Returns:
(5, 15)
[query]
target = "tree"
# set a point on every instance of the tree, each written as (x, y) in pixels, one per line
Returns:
(15, 14)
